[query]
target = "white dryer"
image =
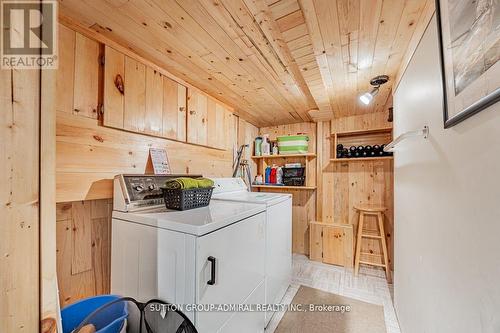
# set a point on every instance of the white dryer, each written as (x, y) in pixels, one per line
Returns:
(203, 256)
(278, 232)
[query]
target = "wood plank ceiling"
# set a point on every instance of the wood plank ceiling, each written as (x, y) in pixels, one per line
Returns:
(273, 60)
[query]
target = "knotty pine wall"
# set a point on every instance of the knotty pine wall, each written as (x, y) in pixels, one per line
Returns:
(342, 185)
(19, 200)
(89, 156)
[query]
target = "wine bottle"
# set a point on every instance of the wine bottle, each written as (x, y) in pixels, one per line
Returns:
(361, 151)
(368, 151)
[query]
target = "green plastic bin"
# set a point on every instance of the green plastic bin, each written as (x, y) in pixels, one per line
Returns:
(293, 144)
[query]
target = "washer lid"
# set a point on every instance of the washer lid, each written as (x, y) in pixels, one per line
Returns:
(254, 197)
(198, 221)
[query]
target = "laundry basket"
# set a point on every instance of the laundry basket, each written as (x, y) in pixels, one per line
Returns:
(184, 199)
(111, 321)
(154, 316)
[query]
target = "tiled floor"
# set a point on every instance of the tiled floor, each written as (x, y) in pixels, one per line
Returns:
(369, 286)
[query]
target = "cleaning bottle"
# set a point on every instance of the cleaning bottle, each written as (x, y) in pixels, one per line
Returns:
(279, 176)
(275, 148)
(265, 146)
(258, 146)
(273, 175)
(268, 175)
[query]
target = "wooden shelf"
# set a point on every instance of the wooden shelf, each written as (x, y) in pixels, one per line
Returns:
(364, 132)
(379, 158)
(279, 187)
(285, 156)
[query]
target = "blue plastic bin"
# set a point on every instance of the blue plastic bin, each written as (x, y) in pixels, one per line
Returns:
(109, 320)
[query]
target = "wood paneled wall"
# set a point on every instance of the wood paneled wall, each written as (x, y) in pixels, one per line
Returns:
(303, 201)
(83, 249)
(343, 185)
(19, 200)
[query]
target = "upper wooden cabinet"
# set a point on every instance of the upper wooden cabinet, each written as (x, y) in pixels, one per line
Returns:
(140, 99)
(134, 115)
(209, 123)
(197, 117)
(78, 74)
(174, 110)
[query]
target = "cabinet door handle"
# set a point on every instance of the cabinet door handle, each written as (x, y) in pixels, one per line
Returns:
(182, 109)
(192, 112)
(212, 270)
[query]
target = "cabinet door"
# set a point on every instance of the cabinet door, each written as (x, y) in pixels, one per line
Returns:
(135, 96)
(154, 102)
(333, 247)
(230, 130)
(114, 76)
(212, 126)
(86, 86)
(65, 77)
(196, 118)
(239, 252)
(174, 110)
(218, 128)
(338, 245)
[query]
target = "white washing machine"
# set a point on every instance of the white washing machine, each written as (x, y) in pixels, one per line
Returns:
(278, 232)
(208, 255)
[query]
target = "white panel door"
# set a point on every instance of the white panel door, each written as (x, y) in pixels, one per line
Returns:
(239, 252)
(248, 322)
(134, 260)
(278, 252)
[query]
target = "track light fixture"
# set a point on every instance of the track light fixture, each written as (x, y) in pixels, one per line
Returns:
(376, 82)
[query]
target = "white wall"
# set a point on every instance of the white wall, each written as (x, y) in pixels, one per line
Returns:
(447, 208)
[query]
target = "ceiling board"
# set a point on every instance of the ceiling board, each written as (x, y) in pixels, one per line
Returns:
(277, 61)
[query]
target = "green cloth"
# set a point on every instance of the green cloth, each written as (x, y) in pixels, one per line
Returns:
(205, 182)
(188, 183)
(181, 183)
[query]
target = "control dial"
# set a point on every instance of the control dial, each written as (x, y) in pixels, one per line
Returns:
(152, 187)
(139, 188)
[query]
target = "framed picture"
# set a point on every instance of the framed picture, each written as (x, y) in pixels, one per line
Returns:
(469, 36)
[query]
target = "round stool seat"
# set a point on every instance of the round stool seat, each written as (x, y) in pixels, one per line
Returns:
(370, 208)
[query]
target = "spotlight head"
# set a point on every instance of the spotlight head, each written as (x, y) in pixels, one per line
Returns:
(376, 82)
(366, 98)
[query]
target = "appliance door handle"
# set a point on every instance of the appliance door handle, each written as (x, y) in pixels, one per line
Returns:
(212, 270)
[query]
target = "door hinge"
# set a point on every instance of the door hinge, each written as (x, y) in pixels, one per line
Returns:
(321, 254)
(102, 60)
(321, 233)
(101, 111)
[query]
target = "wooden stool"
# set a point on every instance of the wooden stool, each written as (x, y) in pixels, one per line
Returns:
(378, 212)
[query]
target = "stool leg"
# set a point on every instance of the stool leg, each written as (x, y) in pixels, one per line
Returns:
(358, 242)
(380, 219)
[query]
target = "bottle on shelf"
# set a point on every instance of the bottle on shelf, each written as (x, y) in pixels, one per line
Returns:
(272, 176)
(258, 146)
(368, 151)
(279, 175)
(360, 150)
(275, 148)
(266, 145)
(267, 175)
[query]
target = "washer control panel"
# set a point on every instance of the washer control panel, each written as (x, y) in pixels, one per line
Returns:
(141, 191)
